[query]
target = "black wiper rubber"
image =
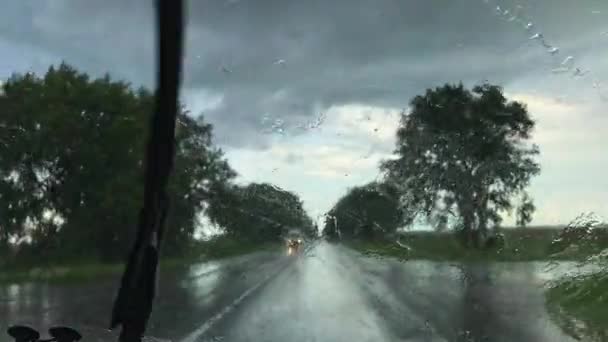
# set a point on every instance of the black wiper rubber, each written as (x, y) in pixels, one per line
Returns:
(22, 333)
(134, 301)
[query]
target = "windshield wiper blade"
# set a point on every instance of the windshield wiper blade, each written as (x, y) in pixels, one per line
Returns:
(133, 304)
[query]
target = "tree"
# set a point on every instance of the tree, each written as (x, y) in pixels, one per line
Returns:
(464, 154)
(258, 211)
(525, 211)
(71, 158)
(311, 230)
(330, 228)
(199, 169)
(366, 211)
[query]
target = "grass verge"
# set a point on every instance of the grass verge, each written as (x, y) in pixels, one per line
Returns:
(522, 244)
(224, 247)
(579, 305)
(218, 248)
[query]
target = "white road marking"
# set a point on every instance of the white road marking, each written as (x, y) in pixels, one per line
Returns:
(200, 331)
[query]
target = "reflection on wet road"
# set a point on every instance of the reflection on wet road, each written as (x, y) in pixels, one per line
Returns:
(329, 293)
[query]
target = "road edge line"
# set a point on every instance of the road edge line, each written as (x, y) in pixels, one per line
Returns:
(201, 330)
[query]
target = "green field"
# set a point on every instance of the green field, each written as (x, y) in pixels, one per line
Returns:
(217, 248)
(522, 244)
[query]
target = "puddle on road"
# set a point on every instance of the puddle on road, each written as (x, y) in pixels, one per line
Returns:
(203, 269)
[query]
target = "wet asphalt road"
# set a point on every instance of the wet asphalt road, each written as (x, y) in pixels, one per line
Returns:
(329, 293)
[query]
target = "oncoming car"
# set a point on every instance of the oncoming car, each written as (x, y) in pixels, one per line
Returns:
(294, 245)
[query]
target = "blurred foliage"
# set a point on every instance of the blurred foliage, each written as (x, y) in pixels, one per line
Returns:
(580, 306)
(585, 234)
(578, 302)
(371, 210)
(71, 166)
(259, 211)
(464, 154)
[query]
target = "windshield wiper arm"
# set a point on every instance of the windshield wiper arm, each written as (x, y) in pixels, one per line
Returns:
(134, 301)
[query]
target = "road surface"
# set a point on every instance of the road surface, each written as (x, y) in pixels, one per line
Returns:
(329, 293)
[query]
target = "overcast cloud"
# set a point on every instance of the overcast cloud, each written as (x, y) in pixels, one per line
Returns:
(357, 62)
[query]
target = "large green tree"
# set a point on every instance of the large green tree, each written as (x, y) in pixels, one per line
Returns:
(465, 153)
(199, 169)
(71, 151)
(258, 211)
(367, 211)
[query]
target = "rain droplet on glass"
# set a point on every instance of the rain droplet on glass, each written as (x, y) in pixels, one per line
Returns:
(265, 118)
(568, 60)
(545, 44)
(579, 73)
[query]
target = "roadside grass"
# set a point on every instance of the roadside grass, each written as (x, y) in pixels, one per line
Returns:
(63, 273)
(83, 270)
(224, 247)
(521, 244)
(580, 306)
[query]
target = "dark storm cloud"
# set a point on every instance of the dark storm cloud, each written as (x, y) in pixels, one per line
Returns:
(110, 36)
(290, 58)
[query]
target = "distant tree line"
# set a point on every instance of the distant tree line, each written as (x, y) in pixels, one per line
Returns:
(368, 211)
(261, 211)
(462, 158)
(71, 167)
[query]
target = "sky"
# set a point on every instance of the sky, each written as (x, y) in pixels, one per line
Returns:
(307, 94)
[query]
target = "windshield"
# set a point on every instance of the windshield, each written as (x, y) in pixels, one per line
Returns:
(342, 170)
